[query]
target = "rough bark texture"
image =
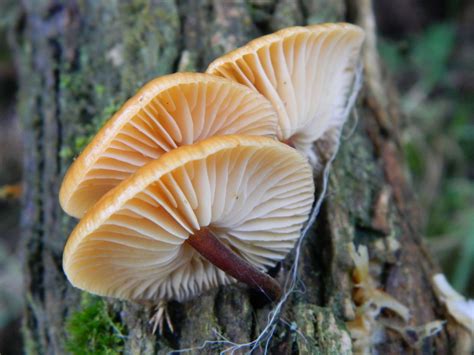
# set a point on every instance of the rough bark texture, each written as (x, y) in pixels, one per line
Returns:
(78, 60)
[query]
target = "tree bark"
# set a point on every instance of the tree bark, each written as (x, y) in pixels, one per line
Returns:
(79, 60)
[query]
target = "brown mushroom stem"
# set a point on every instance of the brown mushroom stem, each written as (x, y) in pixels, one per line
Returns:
(209, 246)
(289, 142)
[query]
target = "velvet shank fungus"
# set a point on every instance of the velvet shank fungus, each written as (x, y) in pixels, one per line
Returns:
(198, 217)
(306, 72)
(168, 112)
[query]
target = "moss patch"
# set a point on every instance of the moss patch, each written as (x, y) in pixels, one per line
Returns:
(68, 152)
(92, 330)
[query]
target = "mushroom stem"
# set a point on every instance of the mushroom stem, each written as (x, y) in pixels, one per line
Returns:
(288, 142)
(209, 246)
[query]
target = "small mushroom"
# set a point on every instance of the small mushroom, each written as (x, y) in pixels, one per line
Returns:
(198, 217)
(306, 72)
(168, 112)
(458, 306)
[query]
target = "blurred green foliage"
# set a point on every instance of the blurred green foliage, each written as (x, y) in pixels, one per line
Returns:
(430, 53)
(427, 54)
(438, 142)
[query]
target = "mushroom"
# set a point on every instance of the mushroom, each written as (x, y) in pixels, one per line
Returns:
(168, 112)
(306, 72)
(458, 306)
(198, 217)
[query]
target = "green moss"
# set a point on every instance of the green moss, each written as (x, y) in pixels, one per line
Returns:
(150, 42)
(92, 330)
(68, 152)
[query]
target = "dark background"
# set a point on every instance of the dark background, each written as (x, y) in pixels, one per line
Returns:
(428, 48)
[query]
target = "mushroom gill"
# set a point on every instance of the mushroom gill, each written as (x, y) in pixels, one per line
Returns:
(168, 112)
(252, 193)
(306, 72)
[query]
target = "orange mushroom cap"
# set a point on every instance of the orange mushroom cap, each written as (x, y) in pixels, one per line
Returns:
(253, 193)
(168, 112)
(306, 72)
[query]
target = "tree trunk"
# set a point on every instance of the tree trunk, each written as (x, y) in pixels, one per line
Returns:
(79, 60)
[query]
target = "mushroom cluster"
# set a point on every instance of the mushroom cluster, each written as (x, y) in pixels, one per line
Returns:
(195, 182)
